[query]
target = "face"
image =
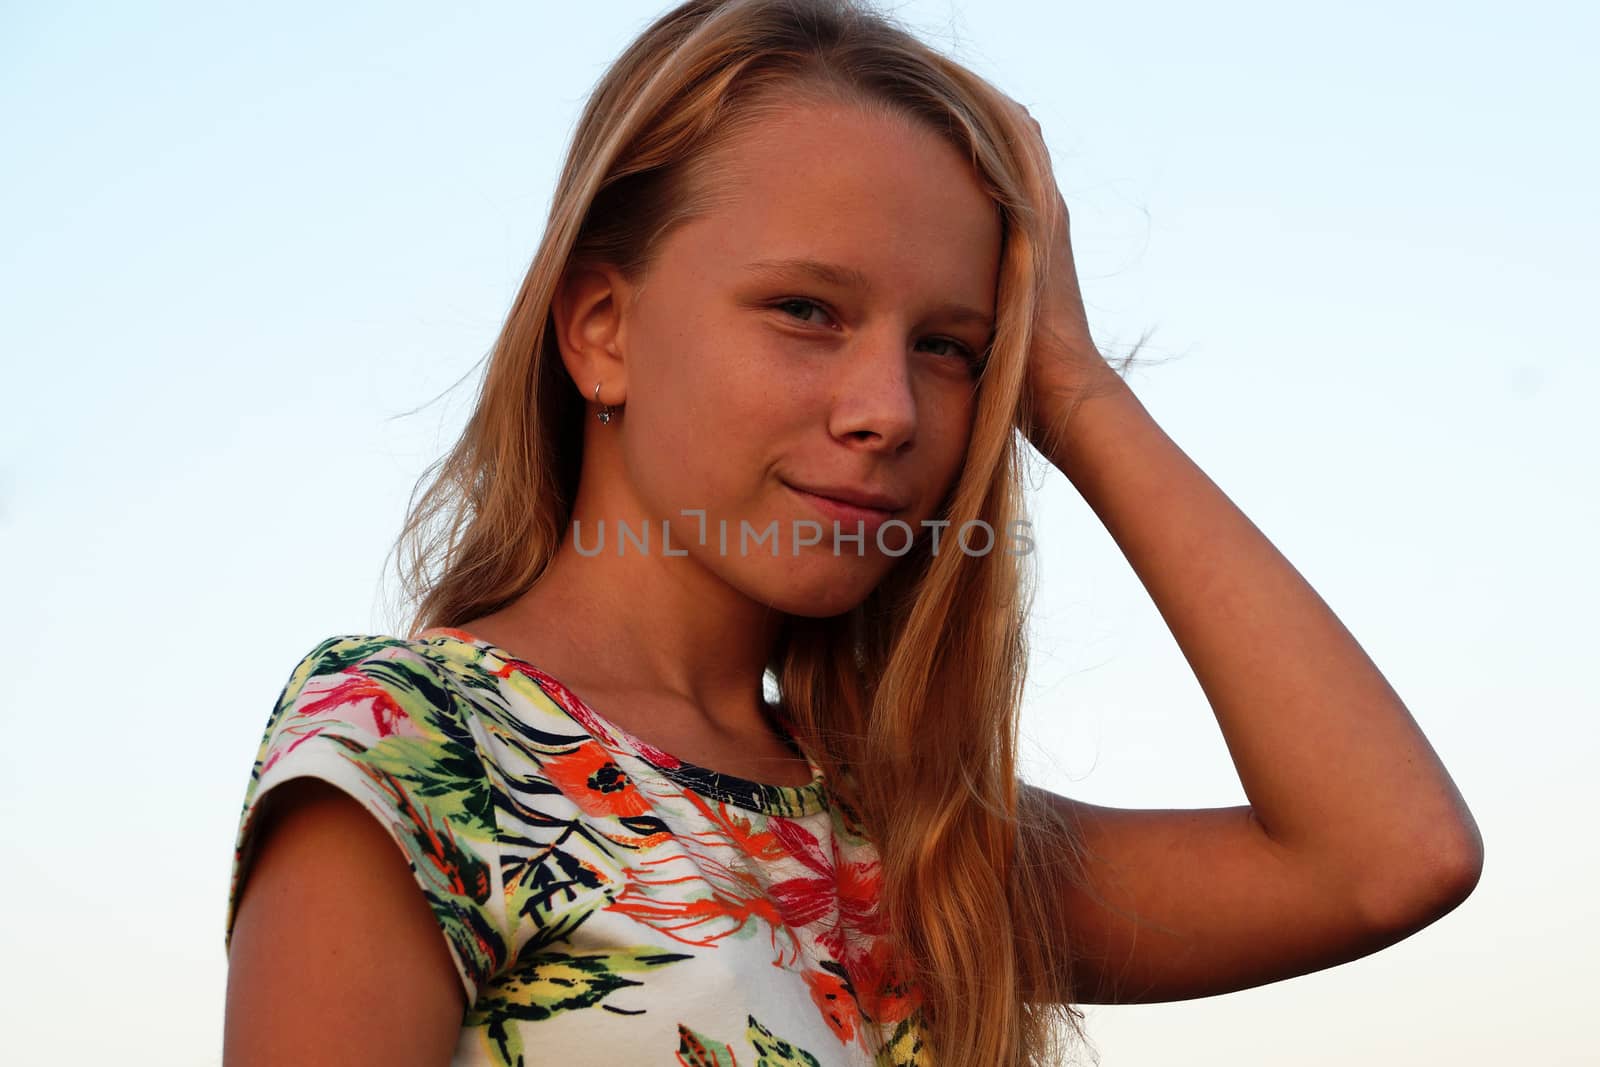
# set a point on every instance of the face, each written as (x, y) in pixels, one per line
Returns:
(752, 379)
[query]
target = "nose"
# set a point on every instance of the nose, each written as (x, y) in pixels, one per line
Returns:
(874, 405)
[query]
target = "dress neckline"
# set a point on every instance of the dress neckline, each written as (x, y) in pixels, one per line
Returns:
(765, 797)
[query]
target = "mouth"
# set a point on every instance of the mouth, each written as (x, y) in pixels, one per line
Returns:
(846, 511)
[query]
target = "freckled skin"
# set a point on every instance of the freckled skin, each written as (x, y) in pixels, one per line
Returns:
(728, 383)
(726, 393)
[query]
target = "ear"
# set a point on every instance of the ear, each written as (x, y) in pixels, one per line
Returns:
(588, 316)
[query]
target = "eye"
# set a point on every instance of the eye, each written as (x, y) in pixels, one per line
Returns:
(953, 347)
(797, 301)
(959, 350)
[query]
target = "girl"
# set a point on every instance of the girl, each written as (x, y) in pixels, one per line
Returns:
(702, 745)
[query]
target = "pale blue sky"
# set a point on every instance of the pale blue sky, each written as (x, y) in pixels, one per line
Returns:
(238, 243)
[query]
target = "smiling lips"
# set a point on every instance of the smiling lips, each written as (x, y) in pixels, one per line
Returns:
(850, 505)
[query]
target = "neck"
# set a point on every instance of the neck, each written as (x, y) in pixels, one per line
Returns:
(647, 626)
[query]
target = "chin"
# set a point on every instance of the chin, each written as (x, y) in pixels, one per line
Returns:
(813, 608)
(818, 593)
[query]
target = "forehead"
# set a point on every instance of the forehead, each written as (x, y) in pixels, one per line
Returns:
(881, 194)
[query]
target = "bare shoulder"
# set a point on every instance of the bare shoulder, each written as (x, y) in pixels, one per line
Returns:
(335, 955)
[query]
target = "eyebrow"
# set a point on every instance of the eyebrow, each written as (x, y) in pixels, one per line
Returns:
(850, 278)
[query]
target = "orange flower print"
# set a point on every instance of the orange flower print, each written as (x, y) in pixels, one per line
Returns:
(696, 900)
(595, 783)
(883, 995)
(760, 845)
(836, 1002)
(838, 904)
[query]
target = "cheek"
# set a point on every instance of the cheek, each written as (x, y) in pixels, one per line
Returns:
(704, 425)
(667, 453)
(954, 432)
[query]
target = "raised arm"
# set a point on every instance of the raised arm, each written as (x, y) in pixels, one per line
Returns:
(1354, 835)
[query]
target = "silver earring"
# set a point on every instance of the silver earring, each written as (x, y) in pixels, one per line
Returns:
(605, 409)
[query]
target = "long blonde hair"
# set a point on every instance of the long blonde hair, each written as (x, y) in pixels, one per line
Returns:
(910, 701)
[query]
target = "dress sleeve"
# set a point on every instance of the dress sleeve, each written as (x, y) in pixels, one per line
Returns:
(370, 716)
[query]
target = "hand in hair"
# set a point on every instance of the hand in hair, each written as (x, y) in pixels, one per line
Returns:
(1064, 364)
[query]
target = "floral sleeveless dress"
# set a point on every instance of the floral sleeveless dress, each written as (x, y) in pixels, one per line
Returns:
(603, 901)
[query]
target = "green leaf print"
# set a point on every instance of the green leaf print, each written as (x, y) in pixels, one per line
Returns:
(554, 982)
(438, 772)
(697, 1050)
(904, 1049)
(340, 653)
(773, 1051)
(549, 983)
